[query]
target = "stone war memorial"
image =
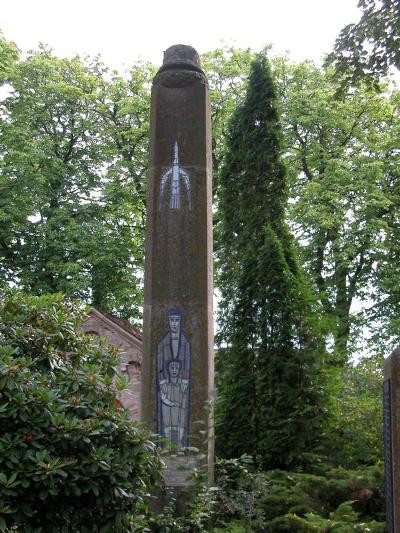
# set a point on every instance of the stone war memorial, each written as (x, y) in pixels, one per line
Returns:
(391, 428)
(177, 372)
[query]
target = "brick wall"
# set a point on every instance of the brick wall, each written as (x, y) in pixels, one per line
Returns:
(130, 349)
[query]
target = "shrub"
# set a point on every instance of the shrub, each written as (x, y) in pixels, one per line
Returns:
(322, 499)
(70, 458)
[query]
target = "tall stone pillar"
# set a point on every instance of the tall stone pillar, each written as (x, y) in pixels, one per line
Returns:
(177, 370)
(391, 426)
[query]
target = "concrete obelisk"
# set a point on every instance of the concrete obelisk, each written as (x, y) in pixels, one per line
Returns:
(177, 369)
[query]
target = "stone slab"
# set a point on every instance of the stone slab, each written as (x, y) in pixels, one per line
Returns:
(178, 471)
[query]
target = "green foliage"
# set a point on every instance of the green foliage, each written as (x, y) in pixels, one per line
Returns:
(240, 486)
(366, 50)
(193, 519)
(234, 527)
(271, 368)
(326, 499)
(343, 160)
(187, 510)
(227, 70)
(247, 500)
(73, 149)
(68, 454)
(9, 54)
(355, 436)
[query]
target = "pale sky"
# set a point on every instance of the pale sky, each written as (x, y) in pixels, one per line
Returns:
(123, 31)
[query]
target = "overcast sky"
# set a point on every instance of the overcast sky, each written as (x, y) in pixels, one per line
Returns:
(123, 31)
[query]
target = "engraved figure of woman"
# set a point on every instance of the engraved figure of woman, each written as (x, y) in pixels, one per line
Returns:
(173, 382)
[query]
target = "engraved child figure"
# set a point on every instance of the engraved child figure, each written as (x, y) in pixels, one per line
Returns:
(173, 377)
(174, 400)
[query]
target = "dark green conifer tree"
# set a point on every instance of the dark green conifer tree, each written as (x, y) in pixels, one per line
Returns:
(271, 362)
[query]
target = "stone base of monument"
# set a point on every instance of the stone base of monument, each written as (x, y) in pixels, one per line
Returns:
(178, 484)
(179, 470)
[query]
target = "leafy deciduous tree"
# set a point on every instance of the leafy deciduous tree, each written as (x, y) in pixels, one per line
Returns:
(365, 51)
(9, 54)
(73, 144)
(342, 158)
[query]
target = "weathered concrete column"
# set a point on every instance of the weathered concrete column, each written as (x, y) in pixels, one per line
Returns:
(391, 412)
(177, 371)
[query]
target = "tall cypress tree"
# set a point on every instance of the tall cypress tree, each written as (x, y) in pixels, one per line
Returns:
(270, 366)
